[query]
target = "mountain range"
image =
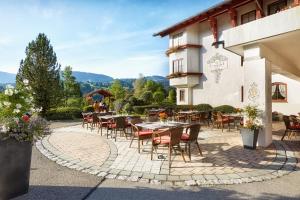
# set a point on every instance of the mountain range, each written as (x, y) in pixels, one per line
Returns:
(86, 77)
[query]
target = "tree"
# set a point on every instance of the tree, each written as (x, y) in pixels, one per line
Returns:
(71, 87)
(158, 96)
(117, 90)
(172, 95)
(138, 86)
(41, 69)
(147, 97)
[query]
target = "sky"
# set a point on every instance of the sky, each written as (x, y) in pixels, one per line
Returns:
(112, 37)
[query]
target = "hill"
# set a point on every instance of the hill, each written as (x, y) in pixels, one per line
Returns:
(91, 77)
(7, 77)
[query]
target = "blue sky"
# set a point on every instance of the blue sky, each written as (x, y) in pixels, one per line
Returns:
(109, 37)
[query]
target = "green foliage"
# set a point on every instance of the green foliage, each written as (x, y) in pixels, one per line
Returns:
(204, 107)
(64, 113)
(118, 105)
(75, 102)
(40, 67)
(252, 114)
(158, 96)
(140, 110)
(88, 108)
(225, 109)
(138, 86)
(71, 87)
(172, 95)
(128, 108)
(147, 97)
(117, 90)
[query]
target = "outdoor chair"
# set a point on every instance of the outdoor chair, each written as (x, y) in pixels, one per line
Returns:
(139, 134)
(95, 121)
(191, 137)
(194, 117)
(153, 118)
(87, 118)
(180, 117)
(206, 117)
(118, 124)
(169, 138)
(290, 128)
(221, 120)
(103, 124)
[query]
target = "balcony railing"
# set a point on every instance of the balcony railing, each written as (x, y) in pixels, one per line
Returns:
(183, 74)
(181, 47)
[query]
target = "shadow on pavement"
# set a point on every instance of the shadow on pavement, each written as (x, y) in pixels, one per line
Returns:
(74, 193)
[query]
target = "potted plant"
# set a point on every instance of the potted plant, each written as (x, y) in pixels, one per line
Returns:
(251, 127)
(19, 127)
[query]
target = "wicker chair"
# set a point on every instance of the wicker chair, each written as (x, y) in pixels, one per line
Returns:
(87, 118)
(190, 137)
(118, 124)
(103, 124)
(139, 134)
(169, 138)
(220, 120)
(290, 128)
(180, 117)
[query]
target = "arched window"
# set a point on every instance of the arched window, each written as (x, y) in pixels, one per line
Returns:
(279, 92)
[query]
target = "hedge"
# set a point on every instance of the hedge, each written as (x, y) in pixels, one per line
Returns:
(225, 109)
(64, 113)
(143, 109)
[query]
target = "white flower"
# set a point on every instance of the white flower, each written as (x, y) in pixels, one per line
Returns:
(16, 91)
(18, 106)
(26, 82)
(16, 119)
(28, 100)
(9, 92)
(6, 103)
(16, 111)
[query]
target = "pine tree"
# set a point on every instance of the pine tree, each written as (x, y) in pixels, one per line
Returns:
(41, 69)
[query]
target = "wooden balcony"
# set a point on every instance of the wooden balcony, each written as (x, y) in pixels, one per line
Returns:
(181, 47)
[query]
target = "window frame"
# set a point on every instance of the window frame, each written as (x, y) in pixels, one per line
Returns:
(177, 38)
(274, 3)
(181, 95)
(286, 93)
(247, 13)
(177, 66)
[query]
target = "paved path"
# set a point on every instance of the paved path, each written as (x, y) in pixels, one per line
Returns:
(52, 181)
(224, 161)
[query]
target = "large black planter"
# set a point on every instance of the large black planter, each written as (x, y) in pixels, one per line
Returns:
(15, 160)
(249, 138)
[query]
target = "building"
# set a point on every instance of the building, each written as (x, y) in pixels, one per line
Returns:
(239, 52)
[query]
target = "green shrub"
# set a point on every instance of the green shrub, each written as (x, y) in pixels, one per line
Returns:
(203, 107)
(75, 102)
(225, 109)
(128, 108)
(143, 109)
(64, 113)
(88, 108)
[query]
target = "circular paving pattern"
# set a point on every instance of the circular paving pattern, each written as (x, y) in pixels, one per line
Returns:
(224, 160)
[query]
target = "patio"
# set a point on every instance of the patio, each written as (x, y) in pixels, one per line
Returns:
(224, 160)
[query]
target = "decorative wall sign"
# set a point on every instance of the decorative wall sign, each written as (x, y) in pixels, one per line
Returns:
(217, 64)
(253, 93)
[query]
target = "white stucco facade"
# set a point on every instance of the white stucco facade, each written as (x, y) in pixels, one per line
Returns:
(224, 83)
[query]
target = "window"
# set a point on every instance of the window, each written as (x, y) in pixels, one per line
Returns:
(181, 95)
(242, 93)
(177, 40)
(178, 66)
(279, 92)
(248, 17)
(276, 6)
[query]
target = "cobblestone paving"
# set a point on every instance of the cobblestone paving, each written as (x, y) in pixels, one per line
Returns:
(224, 159)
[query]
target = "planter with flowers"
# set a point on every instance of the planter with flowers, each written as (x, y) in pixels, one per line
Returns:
(19, 127)
(163, 117)
(251, 127)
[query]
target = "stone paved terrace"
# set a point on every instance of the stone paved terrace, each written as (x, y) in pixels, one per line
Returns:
(224, 160)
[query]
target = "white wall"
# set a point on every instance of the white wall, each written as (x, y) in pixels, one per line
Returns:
(292, 106)
(228, 89)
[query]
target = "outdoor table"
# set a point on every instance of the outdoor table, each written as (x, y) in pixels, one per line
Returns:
(189, 112)
(106, 117)
(160, 125)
